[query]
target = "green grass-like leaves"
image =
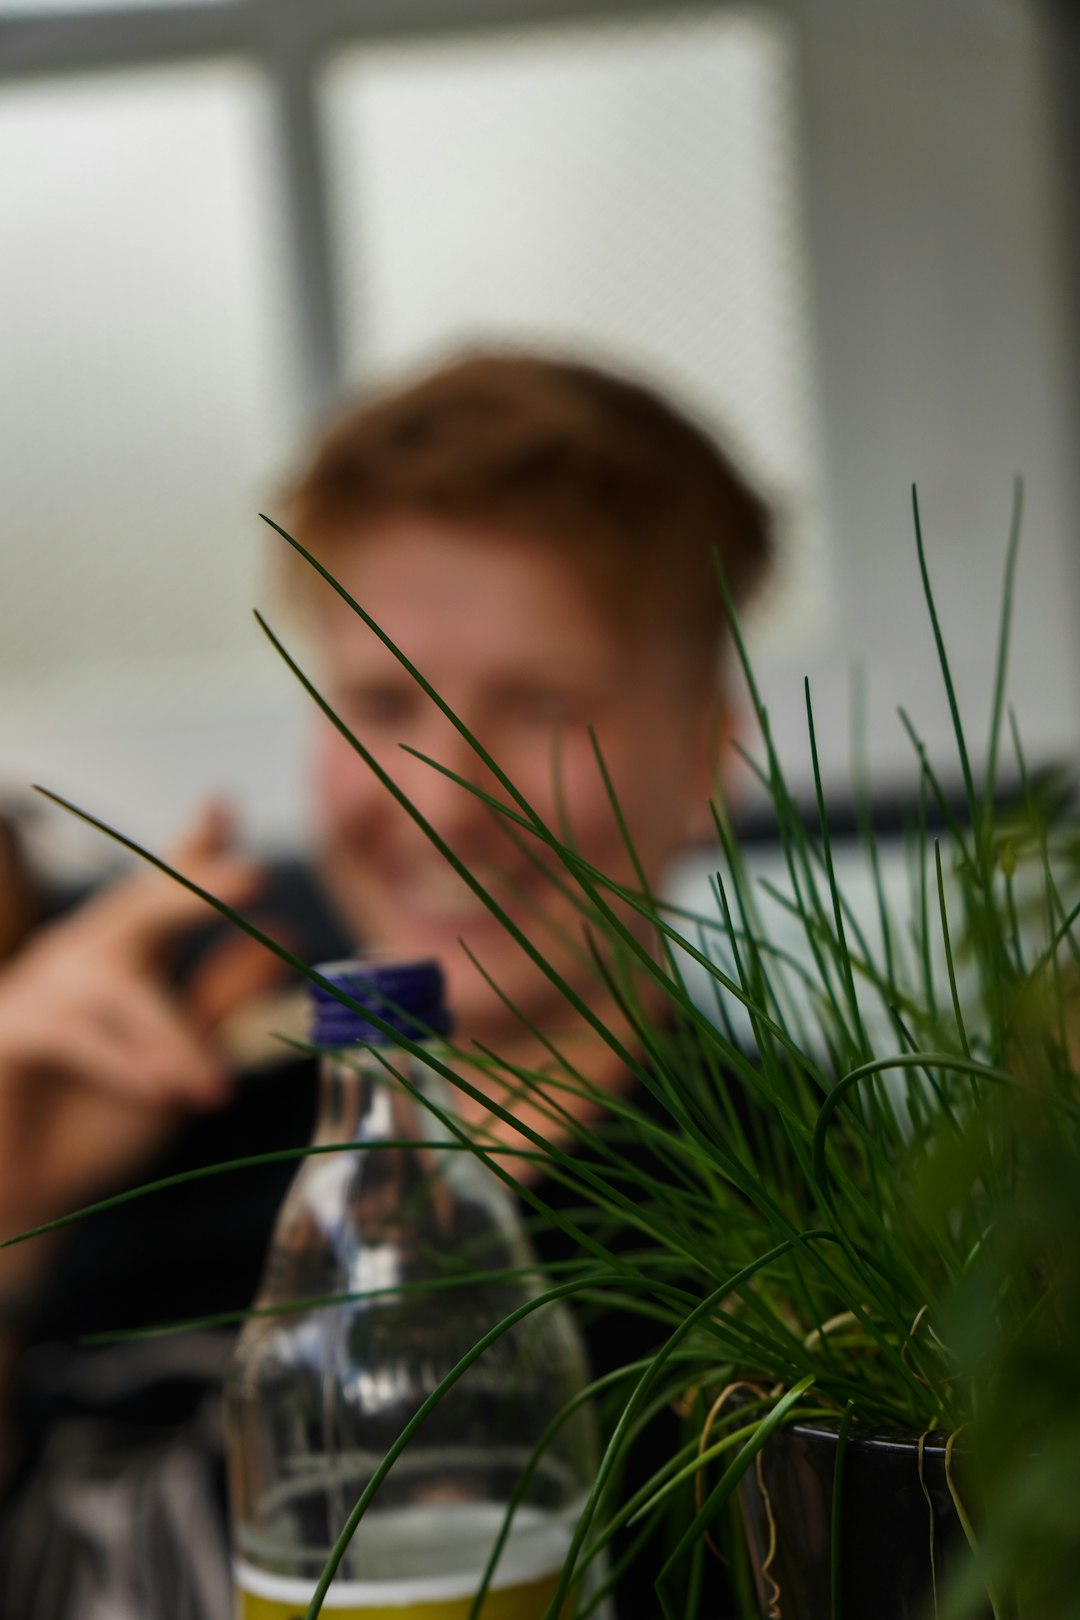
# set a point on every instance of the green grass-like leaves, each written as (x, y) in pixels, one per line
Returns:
(856, 1214)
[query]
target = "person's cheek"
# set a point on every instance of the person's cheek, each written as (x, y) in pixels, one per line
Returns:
(339, 780)
(568, 791)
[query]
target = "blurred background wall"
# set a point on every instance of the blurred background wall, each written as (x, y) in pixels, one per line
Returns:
(839, 230)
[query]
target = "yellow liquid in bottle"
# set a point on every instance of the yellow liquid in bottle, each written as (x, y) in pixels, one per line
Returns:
(528, 1600)
(407, 1549)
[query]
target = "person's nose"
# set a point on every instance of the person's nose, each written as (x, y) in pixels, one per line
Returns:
(461, 816)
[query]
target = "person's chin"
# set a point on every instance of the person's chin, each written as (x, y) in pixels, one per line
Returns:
(446, 919)
(449, 936)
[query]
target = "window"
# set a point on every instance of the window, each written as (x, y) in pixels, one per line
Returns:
(630, 188)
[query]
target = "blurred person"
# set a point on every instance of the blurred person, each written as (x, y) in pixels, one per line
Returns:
(538, 536)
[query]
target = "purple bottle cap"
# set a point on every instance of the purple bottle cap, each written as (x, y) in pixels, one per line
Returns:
(410, 997)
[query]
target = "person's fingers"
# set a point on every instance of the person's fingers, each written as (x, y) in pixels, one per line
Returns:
(104, 1058)
(117, 1035)
(147, 1050)
(231, 973)
(144, 913)
(146, 919)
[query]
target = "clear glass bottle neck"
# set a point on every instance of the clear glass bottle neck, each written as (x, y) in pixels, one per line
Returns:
(365, 1096)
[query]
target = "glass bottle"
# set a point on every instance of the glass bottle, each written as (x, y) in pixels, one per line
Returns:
(316, 1395)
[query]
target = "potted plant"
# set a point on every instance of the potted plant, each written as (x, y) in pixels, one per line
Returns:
(863, 1236)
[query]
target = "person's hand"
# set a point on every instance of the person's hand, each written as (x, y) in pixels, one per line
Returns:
(99, 1060)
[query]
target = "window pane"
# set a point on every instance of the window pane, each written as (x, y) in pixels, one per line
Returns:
(143, 415)
(629, 190)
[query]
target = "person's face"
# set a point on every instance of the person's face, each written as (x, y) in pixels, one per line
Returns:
(517, 644)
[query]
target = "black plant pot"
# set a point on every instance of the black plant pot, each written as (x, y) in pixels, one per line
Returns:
(899, 1534)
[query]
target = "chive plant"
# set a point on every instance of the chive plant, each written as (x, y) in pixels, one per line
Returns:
(867, 1210)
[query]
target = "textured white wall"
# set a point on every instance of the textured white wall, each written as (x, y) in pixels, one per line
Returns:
(944, 343)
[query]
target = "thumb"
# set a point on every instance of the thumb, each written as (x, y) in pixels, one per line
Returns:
(211, 831)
